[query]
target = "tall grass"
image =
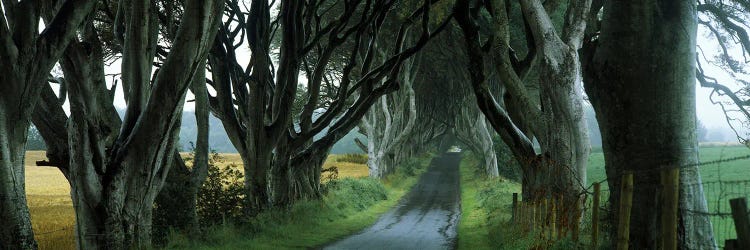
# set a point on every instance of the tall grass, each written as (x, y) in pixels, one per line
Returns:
(353, 158)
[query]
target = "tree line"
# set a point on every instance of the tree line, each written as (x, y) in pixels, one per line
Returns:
(289, 79)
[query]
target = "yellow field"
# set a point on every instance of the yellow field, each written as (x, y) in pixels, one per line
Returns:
(51, 209)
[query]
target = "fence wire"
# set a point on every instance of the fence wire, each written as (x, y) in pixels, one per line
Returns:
(723, 186)
(716, 192)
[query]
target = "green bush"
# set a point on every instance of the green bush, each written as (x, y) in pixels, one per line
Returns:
(347, 206)
(221, 197)
(409, 167)
(353, 158)
(358, 194)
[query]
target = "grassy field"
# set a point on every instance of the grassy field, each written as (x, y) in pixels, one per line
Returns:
(52, 212)
(722, 181)
(486, 203)
(53, 218)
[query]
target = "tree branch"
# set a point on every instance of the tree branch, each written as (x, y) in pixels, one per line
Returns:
(575, 22)
(60, 31)
(541, 25)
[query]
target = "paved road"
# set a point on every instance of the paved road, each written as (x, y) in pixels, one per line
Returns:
(426, 218)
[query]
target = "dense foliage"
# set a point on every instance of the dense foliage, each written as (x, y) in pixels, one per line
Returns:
(353, 158)
(220, 199)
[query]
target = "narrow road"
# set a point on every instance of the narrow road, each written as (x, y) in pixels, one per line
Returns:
(426, 218)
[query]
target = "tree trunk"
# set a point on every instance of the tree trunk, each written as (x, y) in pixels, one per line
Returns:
(28, 54)
(295, 180)
(176, 204)
(257, 166)
(16, 232)
(565, 145)
(641, 81)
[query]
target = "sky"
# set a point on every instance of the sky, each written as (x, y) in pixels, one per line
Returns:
(711, 115)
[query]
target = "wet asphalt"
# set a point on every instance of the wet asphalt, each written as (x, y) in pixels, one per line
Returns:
(426, 218)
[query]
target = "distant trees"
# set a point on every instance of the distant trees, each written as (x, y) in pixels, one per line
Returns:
(34, 140)
(701, 131)
(449, 102)
(726, 24)
(389, 124)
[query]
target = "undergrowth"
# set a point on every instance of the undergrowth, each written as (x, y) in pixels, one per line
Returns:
(348, 206)
(353, 158)
(486, 210)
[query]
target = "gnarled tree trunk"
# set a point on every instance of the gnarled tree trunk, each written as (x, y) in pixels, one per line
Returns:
(641, 81)
(27, 55)
(558, 125)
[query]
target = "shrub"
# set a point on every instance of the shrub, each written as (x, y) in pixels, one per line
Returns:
(222, 195)
(353, 158)
(329, 174)
(409, 167)
(358, 194)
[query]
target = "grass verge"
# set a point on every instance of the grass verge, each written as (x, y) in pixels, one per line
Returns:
(348, 206)
(486, 210)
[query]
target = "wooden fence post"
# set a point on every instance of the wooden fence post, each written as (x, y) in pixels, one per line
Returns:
(595, 217)
(577, 218)
(524, 215)
(532, 213)
(539, 214)
(626, 200)
(545, 217)
(670, 180)
(562, 213)
(514, 216)
(741, 221)
(552, 218)
(521, 220)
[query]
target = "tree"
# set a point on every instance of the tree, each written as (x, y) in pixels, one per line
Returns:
(640, 77)
(116, 168)
(448, 102)
(27, 58)
(701, 130)
(554, 115)
(389, 124)
(282, 159)
(727, 22)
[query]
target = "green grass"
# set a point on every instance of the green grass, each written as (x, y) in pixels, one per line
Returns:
(717, 195)
(486, 203)
(349, 206)
(486, 211)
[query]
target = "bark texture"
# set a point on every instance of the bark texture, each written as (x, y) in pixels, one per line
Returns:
(389, 125)
(641, 81)
(283, 151)
(177, 202)
(27, 55)
(116, 168)
(556, 122)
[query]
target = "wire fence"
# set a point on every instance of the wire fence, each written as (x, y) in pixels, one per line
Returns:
(724, 184)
